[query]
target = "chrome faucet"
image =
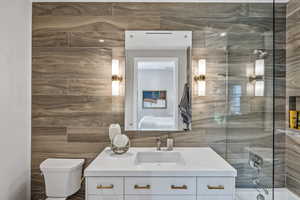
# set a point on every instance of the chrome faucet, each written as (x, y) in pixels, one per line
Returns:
(170, 144)
(158, 144)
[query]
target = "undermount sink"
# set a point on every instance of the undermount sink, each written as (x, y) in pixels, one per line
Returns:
(159, 158)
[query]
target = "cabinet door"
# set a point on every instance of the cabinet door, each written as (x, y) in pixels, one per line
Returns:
(160, 186)
(159, 197)
(215, 186)
(97, 197)
(105, 186)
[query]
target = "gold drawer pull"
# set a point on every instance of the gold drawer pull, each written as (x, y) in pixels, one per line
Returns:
(146, 187)
(173, 187)
(219, 187)
(111, 186)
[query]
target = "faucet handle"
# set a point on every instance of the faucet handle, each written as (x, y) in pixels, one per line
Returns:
(158, 143)
(170, 143)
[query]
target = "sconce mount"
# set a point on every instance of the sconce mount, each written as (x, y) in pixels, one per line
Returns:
(256, 78)
(116, 78)
(199, 78)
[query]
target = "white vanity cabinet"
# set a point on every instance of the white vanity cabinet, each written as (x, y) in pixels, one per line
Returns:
(160, 188)
(199, 174)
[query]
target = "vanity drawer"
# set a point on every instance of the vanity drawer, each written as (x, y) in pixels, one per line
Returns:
(215, 185)
(160, 185)
(95, 197)
(105, 185)
(158, 197)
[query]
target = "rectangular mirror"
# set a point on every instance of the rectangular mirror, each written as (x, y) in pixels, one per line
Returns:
(157, 81)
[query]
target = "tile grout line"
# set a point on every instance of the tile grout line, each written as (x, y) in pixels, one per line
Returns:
(289, 15)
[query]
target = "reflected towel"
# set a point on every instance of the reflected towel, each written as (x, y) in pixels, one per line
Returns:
(185, 107)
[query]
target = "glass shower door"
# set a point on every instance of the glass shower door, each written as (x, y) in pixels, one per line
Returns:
(250, 112)
(249, 96)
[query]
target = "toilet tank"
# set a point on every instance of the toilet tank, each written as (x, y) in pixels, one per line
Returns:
(62, 176)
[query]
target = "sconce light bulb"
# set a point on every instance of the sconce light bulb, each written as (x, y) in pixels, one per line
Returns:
(201, 88)
(115, 88)
(201, 67)
(259, 88)
(115, 70)
(200, 78)
(116, 78)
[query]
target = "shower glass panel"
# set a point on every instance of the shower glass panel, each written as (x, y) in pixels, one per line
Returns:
(249, 117)
(239, 94)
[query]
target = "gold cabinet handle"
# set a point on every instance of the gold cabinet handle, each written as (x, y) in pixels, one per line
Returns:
(219, 187)
(111, 186)
(174, 187)
(146, 187)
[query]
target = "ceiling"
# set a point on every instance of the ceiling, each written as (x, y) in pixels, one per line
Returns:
(186, 1)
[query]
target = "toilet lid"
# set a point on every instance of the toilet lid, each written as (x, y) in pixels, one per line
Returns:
(57, 164)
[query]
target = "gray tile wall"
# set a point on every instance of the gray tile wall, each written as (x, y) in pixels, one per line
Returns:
(293, 89)
(71, 79)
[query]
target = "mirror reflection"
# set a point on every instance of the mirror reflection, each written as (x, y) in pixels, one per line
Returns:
(157, 96)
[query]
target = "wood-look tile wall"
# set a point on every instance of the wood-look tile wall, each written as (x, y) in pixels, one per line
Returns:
(71, 79)
(293, 89)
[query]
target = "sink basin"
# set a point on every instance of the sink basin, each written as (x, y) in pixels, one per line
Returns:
(159, 158)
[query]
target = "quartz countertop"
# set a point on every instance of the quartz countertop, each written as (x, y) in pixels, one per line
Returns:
(198, 162)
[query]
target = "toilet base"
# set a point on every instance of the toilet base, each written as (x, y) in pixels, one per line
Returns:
(53, 198)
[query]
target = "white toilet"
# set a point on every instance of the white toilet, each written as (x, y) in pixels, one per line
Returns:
(62, 177)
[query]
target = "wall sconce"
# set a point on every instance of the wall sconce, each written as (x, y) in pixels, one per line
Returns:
(258, 78)
(200, 77)
(116, 78)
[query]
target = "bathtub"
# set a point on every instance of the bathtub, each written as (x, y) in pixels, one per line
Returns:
(279, 194)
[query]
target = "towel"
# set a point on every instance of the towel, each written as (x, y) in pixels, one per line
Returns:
(185, 107)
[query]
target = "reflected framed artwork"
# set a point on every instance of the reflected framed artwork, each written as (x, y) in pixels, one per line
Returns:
(154, 99)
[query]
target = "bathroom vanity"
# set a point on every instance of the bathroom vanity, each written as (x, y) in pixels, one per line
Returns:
(148, 174)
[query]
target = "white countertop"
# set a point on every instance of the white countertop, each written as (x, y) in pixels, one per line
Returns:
(198, 162)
